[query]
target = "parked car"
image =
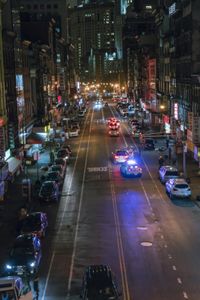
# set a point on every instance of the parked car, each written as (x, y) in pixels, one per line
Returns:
(62, 162)
(149, 144)
(25, 255)
(168, 172)
(178, 188)
(73, 131)
(113, 132)
(35, 222)
(68, 148)
(81, 114)
(49, 192)
(58, 168)
(99, 283)
(63, 153)
(130, 168)
(54, 176)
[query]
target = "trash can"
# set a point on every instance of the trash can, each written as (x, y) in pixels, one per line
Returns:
(26, 189)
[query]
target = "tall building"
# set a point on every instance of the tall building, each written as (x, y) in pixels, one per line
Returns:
(92, 29)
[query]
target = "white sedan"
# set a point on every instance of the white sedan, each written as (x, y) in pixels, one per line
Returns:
(74, 131)
(178, 188)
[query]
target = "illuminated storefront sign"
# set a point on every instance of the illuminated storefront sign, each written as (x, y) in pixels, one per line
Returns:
(176, 111)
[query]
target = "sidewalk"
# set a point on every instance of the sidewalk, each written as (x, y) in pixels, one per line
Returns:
(14, 199)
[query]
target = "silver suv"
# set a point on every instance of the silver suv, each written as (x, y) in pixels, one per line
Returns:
(168, 172)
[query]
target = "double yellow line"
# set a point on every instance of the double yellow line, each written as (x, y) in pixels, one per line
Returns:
(125, 288)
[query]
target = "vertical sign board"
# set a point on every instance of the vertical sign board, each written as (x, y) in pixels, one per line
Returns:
(2, 143)
(190, 117)
(196, 128)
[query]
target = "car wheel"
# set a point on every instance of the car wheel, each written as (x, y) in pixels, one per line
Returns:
(171, 196)
(167, 192)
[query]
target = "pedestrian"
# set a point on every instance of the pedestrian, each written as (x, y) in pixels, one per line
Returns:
(51, 155)
(161, 161)
(167, 143)
(170, 153)
(174, 160)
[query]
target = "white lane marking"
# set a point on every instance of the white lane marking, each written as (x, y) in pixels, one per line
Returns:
(185, 295)
(165, 246)
(169, 256)
(65, 207)
(174, 268)
(145, 193)
(97, 169)
(179, 280)
(162, 237)
(79, 212)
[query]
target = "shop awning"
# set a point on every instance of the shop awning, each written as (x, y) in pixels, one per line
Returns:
(34, 138)
(13, 165)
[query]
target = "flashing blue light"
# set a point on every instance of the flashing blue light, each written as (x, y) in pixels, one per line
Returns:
(131, 162)
(8, 267)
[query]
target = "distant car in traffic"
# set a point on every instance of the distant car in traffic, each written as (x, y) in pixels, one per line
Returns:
(113, 132)
(35, 222)
(178, 188)
(168, 172)
(130, 168)
(99, 283)
(120, 156)
(25, 255)
(49, 192)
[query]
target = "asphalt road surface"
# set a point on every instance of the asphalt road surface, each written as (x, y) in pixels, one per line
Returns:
(151, 243)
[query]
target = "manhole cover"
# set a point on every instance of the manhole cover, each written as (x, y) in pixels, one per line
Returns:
(142, 228)
(146, 244)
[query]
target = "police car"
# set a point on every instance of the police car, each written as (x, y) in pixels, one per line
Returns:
(130, 168)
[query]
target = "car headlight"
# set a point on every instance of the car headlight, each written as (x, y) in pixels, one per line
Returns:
(8, 267)
(32, 264)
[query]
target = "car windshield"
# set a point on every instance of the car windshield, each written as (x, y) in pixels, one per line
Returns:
(59, 161)
(62, 153)
(47, 188)
(56, 168)
(31, 223)
(121, 153)
(52, 175)
(181, 186)
(171, 173)
(21, 251)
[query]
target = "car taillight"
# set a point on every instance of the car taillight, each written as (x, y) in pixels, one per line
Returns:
(116, 156)
(126, 156)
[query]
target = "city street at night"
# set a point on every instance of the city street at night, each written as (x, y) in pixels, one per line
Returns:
(99, 149)
(150, 242)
